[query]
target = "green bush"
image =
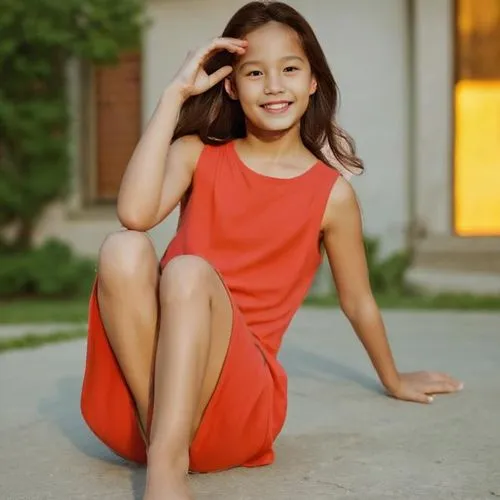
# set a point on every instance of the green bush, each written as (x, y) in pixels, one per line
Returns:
(51, 270)
(386, 275)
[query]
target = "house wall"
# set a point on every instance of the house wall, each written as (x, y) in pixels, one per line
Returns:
(434, 83)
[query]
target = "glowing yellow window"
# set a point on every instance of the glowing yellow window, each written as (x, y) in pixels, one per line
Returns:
(477, 118)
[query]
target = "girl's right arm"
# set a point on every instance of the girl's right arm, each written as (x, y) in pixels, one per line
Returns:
(159, 173)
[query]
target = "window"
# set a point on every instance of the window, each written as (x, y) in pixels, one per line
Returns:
(477, 118)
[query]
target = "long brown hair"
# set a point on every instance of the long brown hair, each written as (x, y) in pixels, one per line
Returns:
(217, 119)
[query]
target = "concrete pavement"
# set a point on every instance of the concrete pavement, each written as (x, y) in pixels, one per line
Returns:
(343, 439)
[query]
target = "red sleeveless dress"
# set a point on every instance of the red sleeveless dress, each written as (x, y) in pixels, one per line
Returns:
(262, 235)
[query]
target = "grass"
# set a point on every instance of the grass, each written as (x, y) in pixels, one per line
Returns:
(30, 341)
(443, 301)
(43, 311)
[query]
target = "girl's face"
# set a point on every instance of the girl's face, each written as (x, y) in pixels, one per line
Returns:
(273, 79)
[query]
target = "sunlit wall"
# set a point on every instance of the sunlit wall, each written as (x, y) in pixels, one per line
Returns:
(477, 119)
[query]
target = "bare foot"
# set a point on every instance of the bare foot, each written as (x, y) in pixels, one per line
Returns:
(168, 487)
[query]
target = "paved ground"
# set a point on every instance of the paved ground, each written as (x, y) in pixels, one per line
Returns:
(343, 438)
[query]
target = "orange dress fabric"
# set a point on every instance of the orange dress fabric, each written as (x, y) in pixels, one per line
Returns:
(262, 235)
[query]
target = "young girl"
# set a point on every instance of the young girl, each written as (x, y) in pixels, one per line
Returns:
(182, 355)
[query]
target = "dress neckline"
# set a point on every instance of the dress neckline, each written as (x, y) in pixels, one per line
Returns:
(269, 178)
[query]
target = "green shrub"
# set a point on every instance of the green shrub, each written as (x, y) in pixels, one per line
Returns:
(386, 275)
(52, 270)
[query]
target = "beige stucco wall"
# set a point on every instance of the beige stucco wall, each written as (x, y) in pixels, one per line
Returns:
(434, 60)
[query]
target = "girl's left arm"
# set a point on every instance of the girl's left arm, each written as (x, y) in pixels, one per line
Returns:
(343, 241)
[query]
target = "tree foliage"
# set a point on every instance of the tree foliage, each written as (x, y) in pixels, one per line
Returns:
(37, 39)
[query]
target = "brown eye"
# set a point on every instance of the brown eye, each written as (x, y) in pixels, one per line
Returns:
(289, 69)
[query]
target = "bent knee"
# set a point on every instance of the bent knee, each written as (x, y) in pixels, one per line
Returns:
(127, 254)
(186, 276)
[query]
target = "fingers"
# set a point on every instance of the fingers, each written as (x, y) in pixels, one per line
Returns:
(441, 383)
(219, 75)
(443, 387)
(426, 393)
(415, 397)
(418, 397)
(193, 79)
(423, 398)
(233, 45)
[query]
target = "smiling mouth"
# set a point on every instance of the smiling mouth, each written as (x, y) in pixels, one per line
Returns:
(277, 107)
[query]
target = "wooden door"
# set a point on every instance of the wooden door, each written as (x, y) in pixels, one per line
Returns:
(118, 122)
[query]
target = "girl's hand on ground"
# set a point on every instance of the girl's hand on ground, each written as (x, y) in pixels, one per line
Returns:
(420, 387)
(192, 79)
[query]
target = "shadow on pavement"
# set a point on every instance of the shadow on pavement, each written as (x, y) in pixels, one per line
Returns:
(63, 409)
(301, 363)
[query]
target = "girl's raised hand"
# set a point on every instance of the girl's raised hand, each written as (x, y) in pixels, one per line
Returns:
(421, 387)
(192, 79)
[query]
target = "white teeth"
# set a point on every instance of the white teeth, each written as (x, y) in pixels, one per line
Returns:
(276, 106)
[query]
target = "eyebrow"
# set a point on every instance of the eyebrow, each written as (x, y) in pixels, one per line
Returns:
(284, 59)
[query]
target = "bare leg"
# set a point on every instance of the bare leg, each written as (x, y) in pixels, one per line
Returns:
(192, 344)
(194, 335)
(128, 281)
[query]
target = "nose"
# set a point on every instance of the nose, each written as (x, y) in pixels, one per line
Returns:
(274, 84)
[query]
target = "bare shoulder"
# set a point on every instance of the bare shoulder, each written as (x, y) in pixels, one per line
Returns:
(185, 152)
(342, 205)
